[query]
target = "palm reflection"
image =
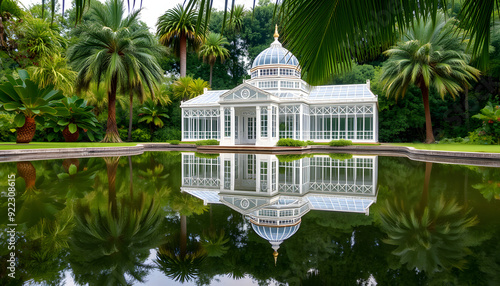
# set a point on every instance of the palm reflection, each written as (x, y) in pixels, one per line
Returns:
(428, 235)
(112, 242)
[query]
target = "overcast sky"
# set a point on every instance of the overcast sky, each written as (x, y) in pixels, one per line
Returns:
(152, 9)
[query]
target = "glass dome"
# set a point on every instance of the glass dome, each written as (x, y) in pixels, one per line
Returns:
(273, 233)
(275, 55)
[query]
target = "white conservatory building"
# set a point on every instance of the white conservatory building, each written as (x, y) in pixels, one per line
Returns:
(276, 103)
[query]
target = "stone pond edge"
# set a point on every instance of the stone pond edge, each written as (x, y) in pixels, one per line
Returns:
(450, 157)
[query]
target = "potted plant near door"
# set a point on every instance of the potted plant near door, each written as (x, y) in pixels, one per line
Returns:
(73, 115)
(25, 98)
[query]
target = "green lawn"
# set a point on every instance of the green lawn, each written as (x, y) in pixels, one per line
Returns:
(452, 147)
(48, 145)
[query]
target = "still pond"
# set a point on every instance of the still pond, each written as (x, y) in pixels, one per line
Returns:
(172, 218)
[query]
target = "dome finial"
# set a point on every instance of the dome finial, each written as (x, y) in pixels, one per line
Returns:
(275, 254)
(276, 35)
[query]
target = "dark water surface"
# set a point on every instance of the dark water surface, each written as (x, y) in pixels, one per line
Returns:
(247, 219)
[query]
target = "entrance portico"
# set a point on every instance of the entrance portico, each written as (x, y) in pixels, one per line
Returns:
(249, 117)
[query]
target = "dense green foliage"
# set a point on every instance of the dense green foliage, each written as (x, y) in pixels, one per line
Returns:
(490, 116)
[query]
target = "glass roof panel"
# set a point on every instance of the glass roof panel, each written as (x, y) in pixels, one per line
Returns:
(340, 91)
(210, 96)
(339, 203)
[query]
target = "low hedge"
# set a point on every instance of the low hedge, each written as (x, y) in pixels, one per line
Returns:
(339, 143)
(206, 142)
(290, 142)
(175, 142)
(206, 155)
(340, 156)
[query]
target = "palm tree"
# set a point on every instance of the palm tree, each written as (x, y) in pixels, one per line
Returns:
(119, 52)
(213, 48)
(430, 55)
(186, 88)
(235, 21)
(197, 87)
(176, 28)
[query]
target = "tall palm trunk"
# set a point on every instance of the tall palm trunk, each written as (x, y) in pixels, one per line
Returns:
(183, 236)
(111, 128)
(466, 107)
(183, 41)
(211, 70)
(2, 30)
(424, 199)
(111, 169)
(131, 95)
(131, 182)
(429, 136)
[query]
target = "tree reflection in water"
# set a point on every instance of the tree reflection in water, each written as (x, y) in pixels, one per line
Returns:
(429, 236)
(108, 243)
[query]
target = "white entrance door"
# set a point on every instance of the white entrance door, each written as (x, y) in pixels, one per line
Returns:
(249, 132)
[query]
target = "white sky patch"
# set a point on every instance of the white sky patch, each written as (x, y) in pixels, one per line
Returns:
(153, 9)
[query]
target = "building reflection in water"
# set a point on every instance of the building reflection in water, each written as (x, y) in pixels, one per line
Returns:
(274, 195)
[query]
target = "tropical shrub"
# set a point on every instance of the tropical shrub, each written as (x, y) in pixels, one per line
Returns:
(73, 115)
(206, 142)
(340, 156)
(490, 115)
(206, 156)
(138, 135)
(29, 102)
(456, 140)
(141, 135)
(479, 136)
(165, 134)
(152, 114)
(339, 143)
(290, 142)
